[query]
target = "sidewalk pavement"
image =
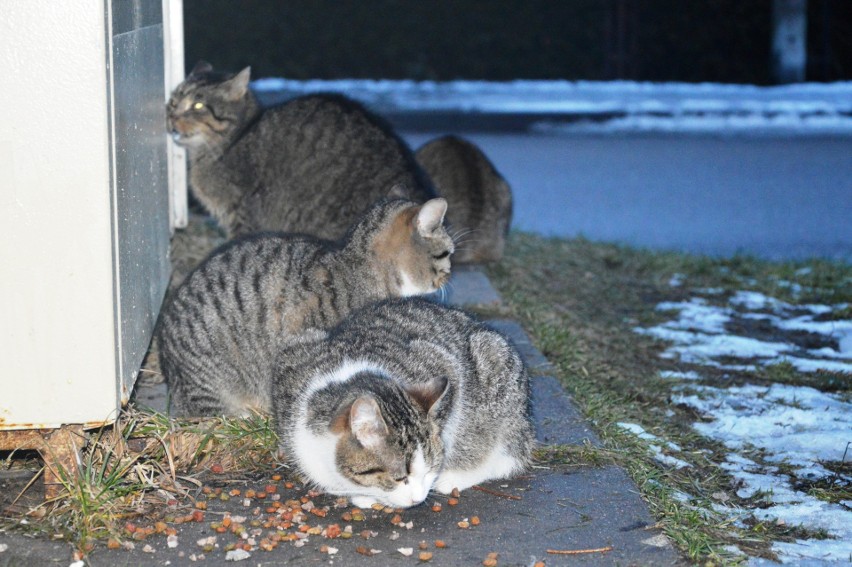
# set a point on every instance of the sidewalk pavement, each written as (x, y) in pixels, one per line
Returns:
(555, 507)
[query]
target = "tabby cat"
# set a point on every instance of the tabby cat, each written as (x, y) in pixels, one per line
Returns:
(480, 199)
(403, 396)
(222, 327)
(311, 165)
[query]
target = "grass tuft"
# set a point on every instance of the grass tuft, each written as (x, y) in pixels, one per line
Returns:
(142, 462)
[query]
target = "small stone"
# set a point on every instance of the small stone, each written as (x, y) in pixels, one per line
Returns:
(407, 551)
(172, 541)
(237, 555)
(147, 549)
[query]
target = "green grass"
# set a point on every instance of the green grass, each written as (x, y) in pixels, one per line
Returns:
(580, 300)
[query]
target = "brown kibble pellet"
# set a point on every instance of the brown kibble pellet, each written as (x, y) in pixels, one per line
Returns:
(464, 524)
(493, 555)
(453, 501)
(276, 477)
(436, 507)
(538, 564)
(490, 562)
(425, 556)
(440, 544)
(455, 493)
(423, 545)
(474, 521)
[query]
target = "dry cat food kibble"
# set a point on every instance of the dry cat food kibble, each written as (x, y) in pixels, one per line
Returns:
(425, 556)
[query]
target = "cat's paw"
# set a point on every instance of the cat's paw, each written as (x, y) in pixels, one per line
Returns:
(445, 483)
(362, 501)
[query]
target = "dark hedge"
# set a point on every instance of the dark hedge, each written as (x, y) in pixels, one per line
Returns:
(657, 40)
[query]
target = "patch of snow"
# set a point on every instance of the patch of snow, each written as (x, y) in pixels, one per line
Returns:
(755, 300)
(846, 345)
(675, 375)
(789, 422)
(612, 106)
(812, 365)
(699, 334)
(654, 445)
(794, 425)
(696, 315)
(676, 280)
(807, 323)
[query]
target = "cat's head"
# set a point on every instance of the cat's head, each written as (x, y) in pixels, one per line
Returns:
(408, 243)
(208, 108)
(389, 448)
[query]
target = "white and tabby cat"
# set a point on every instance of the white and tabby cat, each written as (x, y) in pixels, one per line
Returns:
(222, 327)
(403, 396)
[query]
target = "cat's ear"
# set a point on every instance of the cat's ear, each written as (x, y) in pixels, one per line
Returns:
(398, 191)
(367, 424)
(431, 216)
(237, 86)
(427, 395)
(201, 67)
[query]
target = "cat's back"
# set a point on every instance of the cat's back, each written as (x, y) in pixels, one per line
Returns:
(237, 285)
(480, 198)
(322, 160)
(401, 320)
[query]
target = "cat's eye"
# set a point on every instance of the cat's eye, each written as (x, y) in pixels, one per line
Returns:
(376, 470)
(442, 255)
(198, 105)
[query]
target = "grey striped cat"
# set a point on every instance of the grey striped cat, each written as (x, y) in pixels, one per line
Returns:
(403, 396)
(311, 165)
(222, 327)
(480, 199)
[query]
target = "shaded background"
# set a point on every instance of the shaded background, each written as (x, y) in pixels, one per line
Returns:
(724, 41)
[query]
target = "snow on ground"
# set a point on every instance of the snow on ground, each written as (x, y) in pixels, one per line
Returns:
(795, 429)
(656, 444)
(699, 337)
(613, 106)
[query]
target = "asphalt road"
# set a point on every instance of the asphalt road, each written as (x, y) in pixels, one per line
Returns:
(773, 196)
